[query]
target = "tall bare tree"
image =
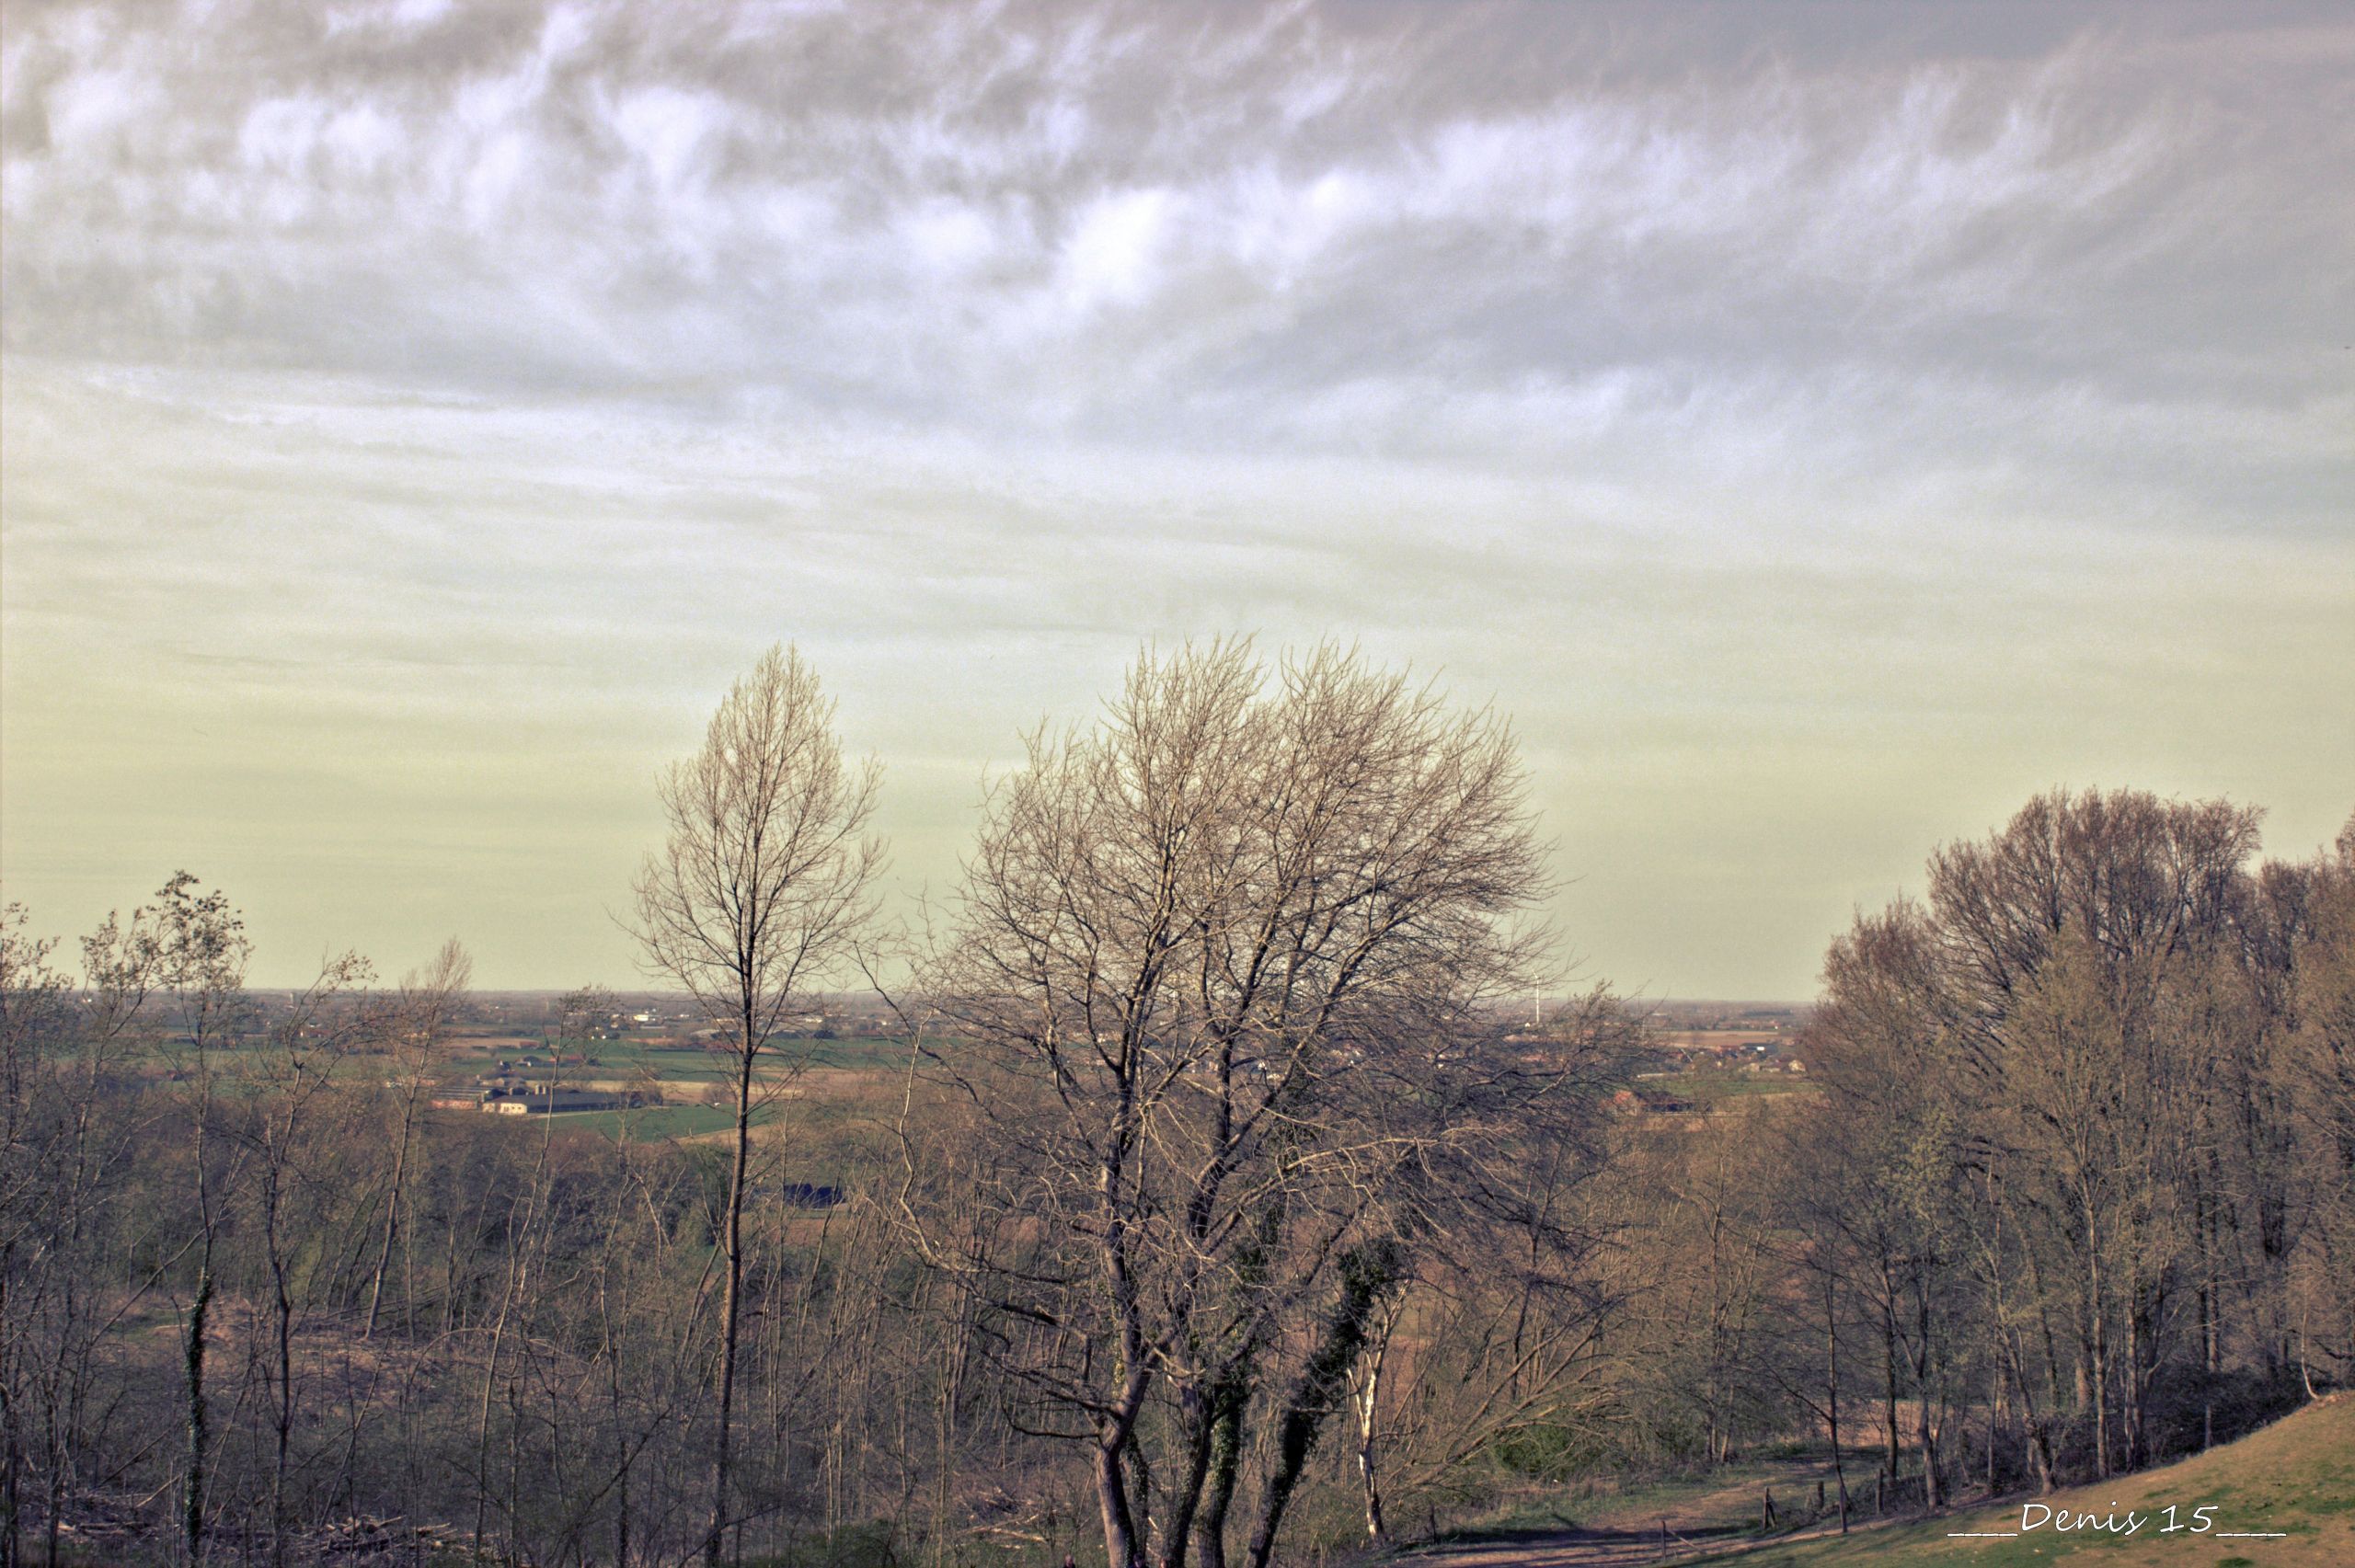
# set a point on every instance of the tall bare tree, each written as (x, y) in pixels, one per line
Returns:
(1218, 986)
(2325, 1077)
(428, 1003)
(759, 895)
(44, 1179)
(204, 950)
(2077, 1178)
(288, 1122)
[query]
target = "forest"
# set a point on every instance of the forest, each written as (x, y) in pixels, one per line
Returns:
(1215, 1201)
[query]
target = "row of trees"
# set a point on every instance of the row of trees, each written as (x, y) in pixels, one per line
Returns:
(1209, 1129)
(1210, 1021)
(262, 1307)
(2097, 1168)
(1218, 1207)
(2074, 1191)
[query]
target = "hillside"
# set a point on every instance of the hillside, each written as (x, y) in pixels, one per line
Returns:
(2296, 1477)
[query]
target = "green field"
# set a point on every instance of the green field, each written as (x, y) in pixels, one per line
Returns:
(848, 1073)
(656, 1121)
(687, 1064)
(643, 1125)
(2296, 1477)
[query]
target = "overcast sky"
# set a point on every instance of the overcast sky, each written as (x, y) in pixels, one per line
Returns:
(1820, 426)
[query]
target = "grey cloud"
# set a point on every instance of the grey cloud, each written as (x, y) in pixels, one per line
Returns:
(1160, 225)
(1818, 424)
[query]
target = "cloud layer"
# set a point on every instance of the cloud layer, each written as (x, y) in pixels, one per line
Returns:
(1819, 425)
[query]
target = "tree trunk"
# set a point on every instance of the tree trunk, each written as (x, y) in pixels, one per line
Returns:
(1122, 1549)
(731, 1303)
(1218, 1498)
(1889, 1375)
(283, 1310)
(1367, 1276)
(2098, 1343)
(1202, 1413)
(192, 1495)
(1832, 1397)
(1931, 1392)
(392, 1215)
(1377, 1534)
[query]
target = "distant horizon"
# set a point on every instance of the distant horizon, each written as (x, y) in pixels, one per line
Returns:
(481, 993)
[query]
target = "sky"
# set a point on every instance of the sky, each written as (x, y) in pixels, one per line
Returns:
(1819, 427)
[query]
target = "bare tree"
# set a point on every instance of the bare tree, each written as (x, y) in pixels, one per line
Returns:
(203, 951)
(428, 1003)
(579, 1015)
(1219, 983)
(46, 1181)
(1500, 1325)
(2324, 1067)
(758, 896)
(2061, 1154)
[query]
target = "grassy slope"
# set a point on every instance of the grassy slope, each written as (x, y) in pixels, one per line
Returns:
(2297, 1476)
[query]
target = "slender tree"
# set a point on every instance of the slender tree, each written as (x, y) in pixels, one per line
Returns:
(428, 1003)
(760, 894)
(203, 953)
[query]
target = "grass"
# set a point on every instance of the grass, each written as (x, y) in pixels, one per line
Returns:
(1670, 1494)
(1619, 1517)
(687, 1064)
(658, 1121)
(2296, 1477)
(836, 1095)
(860, 1053)
(1639, 1502)
(646, 1125)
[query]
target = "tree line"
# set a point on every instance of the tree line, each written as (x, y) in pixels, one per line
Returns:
(1224, 1207)
(2083, 1178)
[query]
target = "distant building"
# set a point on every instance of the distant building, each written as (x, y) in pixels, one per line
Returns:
(541, 1099)
(1650, 1102)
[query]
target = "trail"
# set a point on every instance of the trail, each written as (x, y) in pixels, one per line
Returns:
(1624, 1535)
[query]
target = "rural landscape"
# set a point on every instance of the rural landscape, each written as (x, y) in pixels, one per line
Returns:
(1224, 784)
(1217, 1185)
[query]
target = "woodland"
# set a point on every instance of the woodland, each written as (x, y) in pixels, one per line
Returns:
(1216, 1199)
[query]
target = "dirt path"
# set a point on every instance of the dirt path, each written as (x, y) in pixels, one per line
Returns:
(1624, 1535)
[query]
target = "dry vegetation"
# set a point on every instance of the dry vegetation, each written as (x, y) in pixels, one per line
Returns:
(1215, 1199)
